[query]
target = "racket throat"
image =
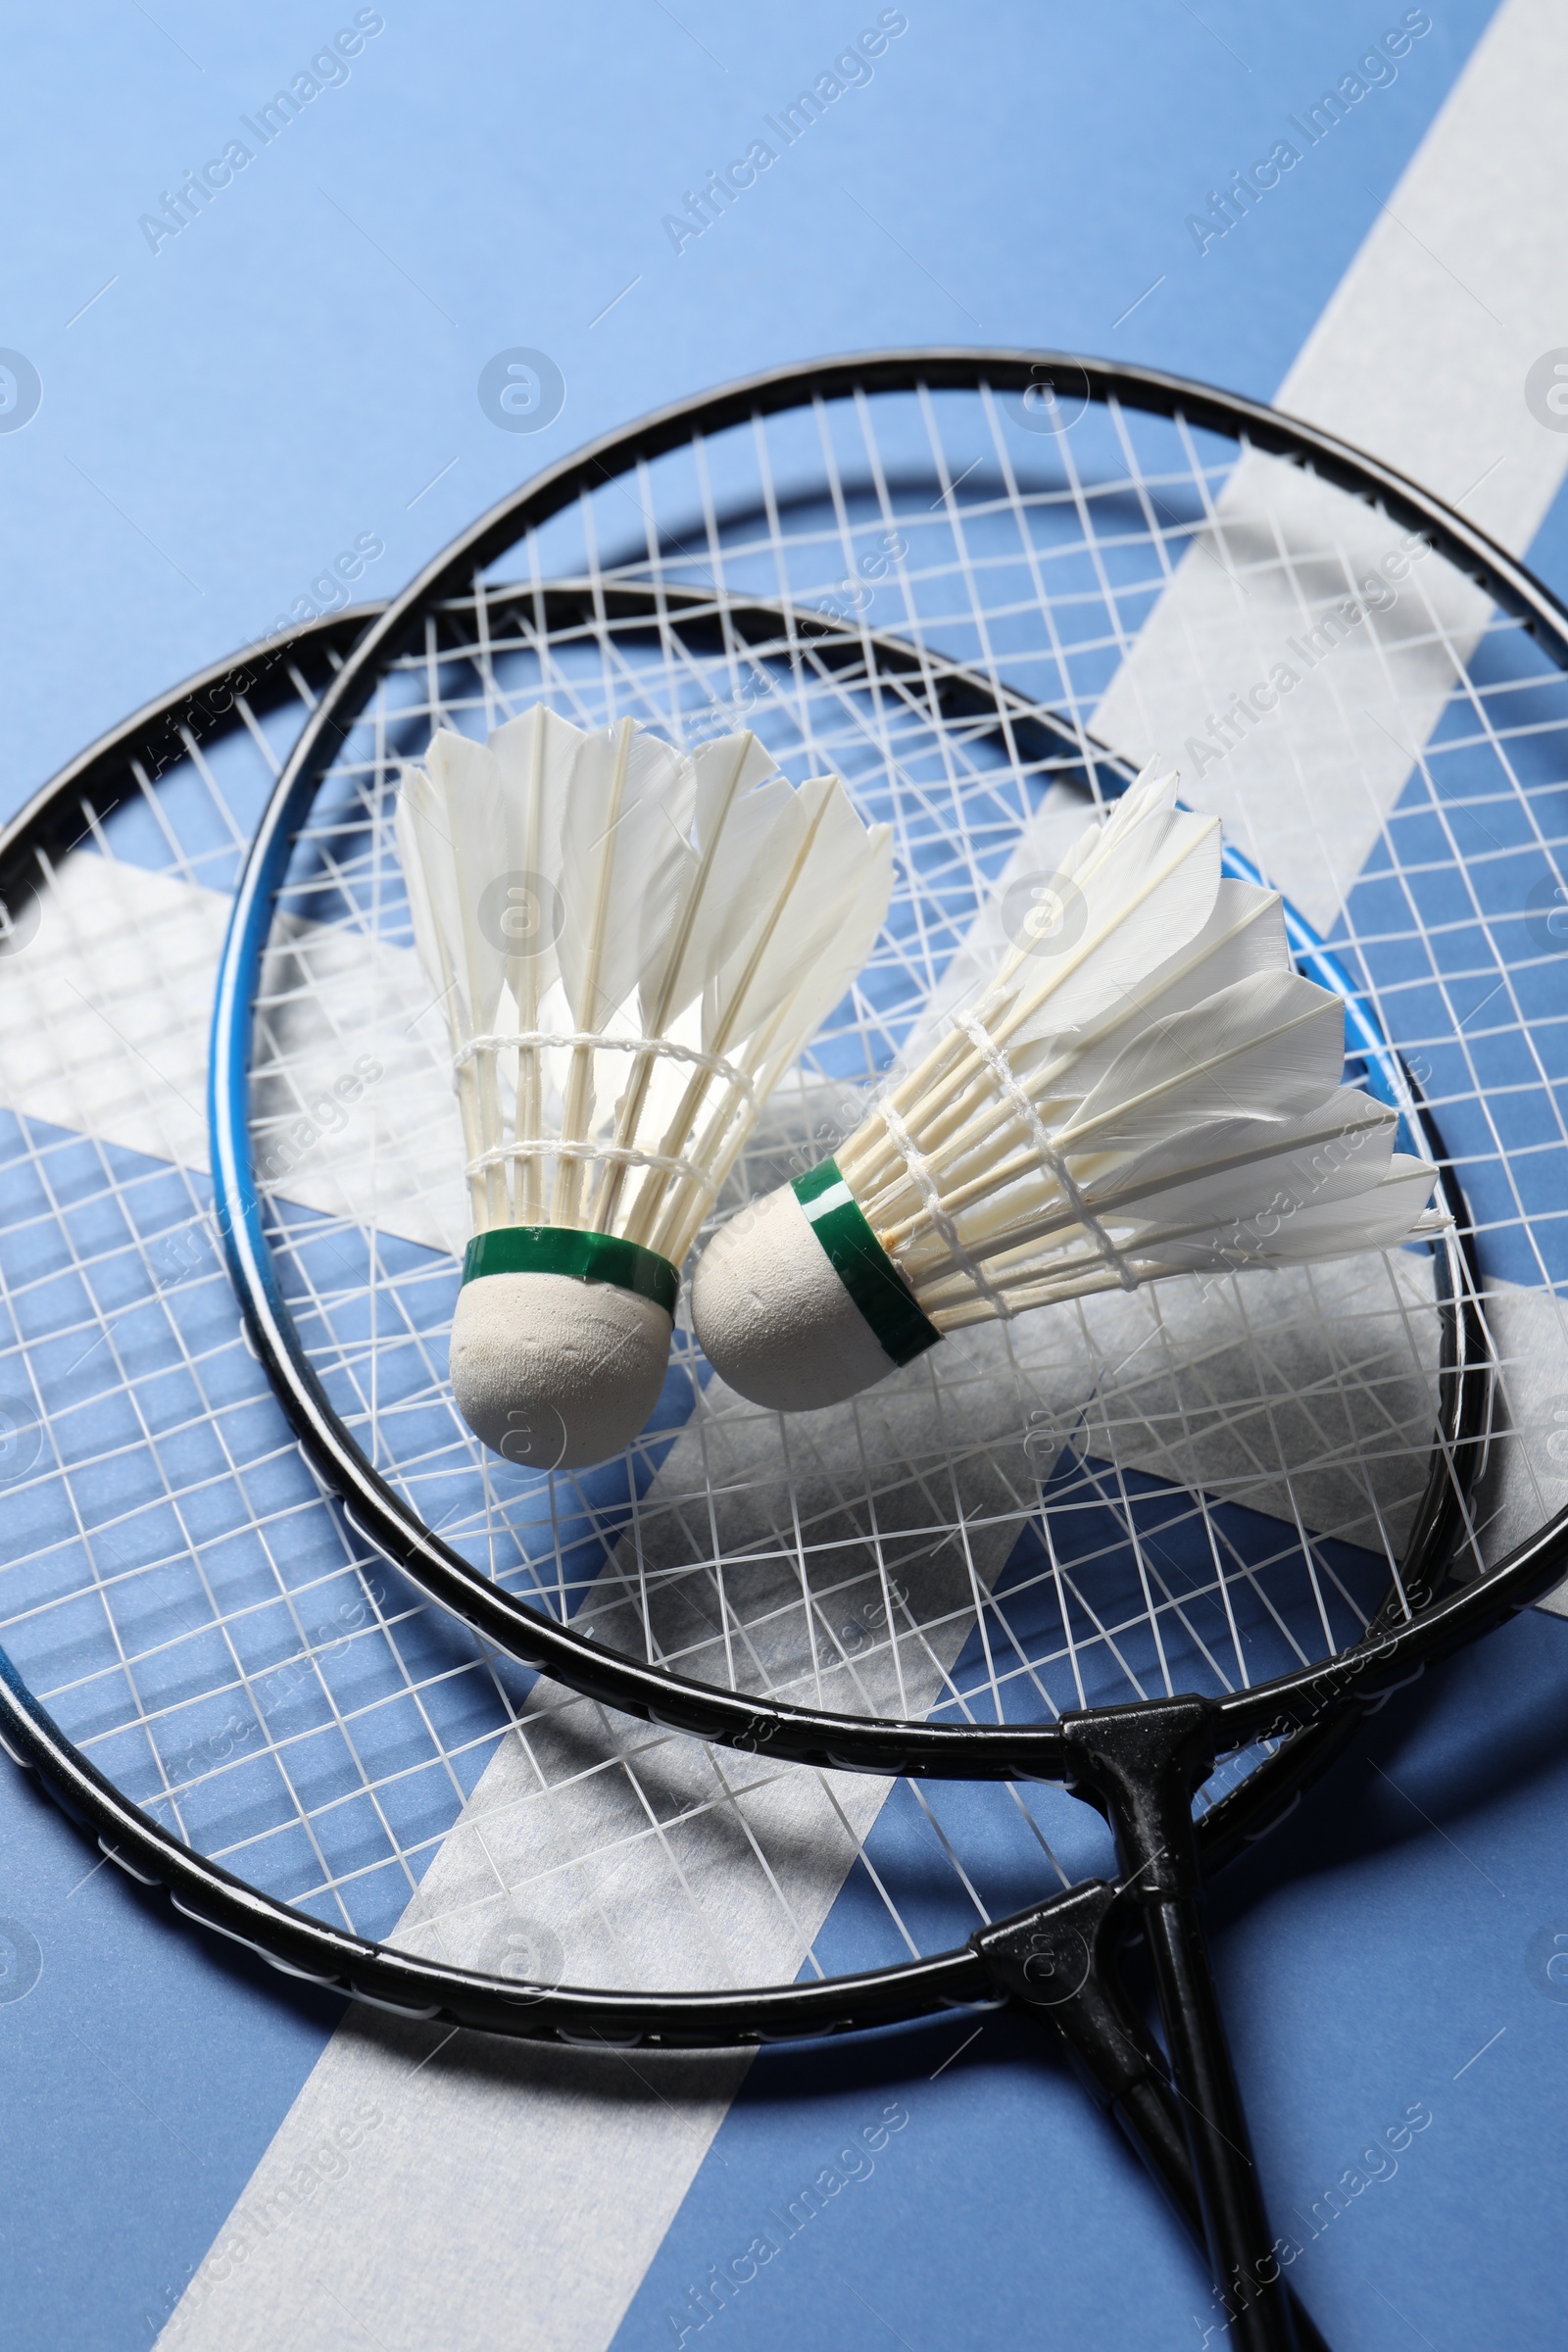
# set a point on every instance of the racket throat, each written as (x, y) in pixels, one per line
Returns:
(1059, 1960)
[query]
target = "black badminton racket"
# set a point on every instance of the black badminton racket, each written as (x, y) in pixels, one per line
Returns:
(1062, 494)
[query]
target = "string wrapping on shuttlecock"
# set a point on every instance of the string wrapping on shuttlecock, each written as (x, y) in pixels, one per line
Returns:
(628, 944)
(925, 1184)
(623, 1155)
(1146, 1087)
(713, 1063)
(1034, 1127)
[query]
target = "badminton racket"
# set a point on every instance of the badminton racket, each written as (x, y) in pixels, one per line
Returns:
(752, 488)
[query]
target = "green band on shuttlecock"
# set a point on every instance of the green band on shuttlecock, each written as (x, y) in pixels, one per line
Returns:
(589, 1256)
(861, 1264)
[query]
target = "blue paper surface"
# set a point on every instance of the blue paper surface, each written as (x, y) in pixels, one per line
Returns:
(294, 378)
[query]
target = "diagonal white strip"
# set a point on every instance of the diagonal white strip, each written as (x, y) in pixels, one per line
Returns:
(1421, 352)
(1291, 710)
(104, 1023)
(1419, 358)
(86, 1036)
(426, 2191)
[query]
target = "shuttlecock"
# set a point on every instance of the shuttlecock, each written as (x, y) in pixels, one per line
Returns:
(629, 945)
(1147, 1088)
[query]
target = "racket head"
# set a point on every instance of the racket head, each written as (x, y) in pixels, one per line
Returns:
(1001, 552)
(182, 1602)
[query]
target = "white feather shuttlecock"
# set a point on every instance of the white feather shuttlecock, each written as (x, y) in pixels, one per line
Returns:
(1147, 1088)
(629, 945)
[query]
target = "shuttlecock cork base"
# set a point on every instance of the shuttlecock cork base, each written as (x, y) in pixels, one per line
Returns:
(559, 1344)
(797, 1305)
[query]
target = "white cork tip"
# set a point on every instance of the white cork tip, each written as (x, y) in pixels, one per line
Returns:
(553, 1373)
(774, 1320)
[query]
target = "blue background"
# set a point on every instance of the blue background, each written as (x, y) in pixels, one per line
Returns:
(294, 370)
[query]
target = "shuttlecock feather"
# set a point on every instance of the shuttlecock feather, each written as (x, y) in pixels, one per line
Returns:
(1146, 1088)
(629, 945)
